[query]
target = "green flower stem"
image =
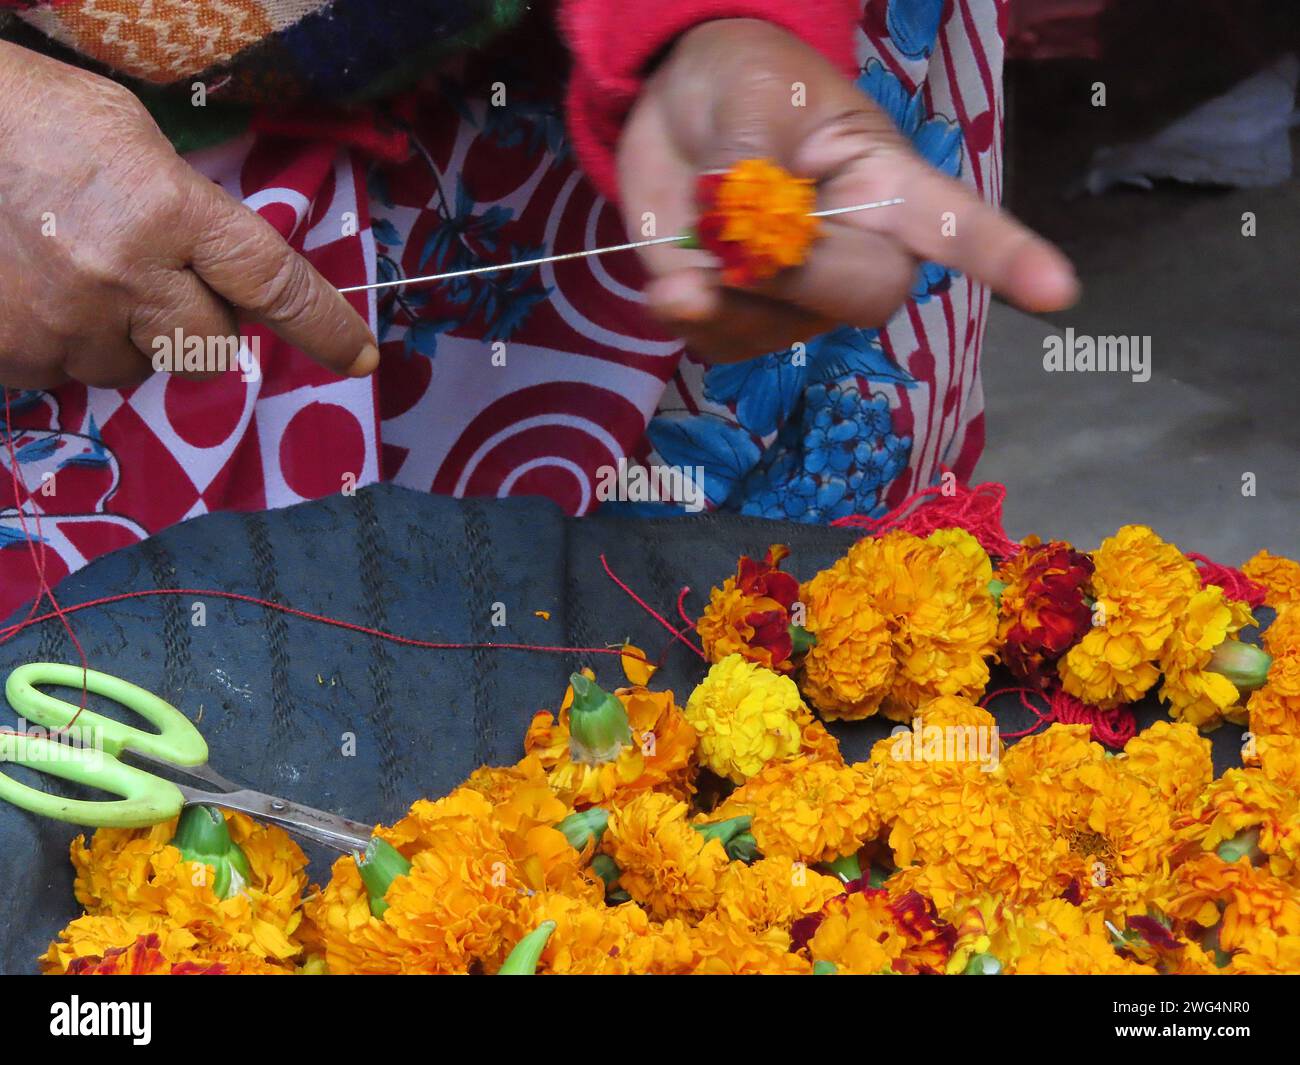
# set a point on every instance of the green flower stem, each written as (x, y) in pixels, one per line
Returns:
(381, 864)
(996, 588)
(727, 830)
(1242, 663)
(825, 968)
(982, 965)
(846, 867)
(202, 836)
(528, 952)
(802, 640)
(607, 869)
(598, 725)
(743, 847)
(1242, 845)
(584, 826)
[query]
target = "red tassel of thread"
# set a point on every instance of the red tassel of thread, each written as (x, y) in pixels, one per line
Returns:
(978, 510)
(1235, 584)
(1112, 728)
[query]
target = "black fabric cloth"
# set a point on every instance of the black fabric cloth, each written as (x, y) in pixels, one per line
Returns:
(276, 697)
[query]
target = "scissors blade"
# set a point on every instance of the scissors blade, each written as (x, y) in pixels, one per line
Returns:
(329, 830)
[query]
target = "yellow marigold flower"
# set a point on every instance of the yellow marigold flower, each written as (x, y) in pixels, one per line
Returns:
(1246, 811)
(1194, 693)
(850, 668)
(132, 882)
(1143, 586)
(1172, 759)
(1279, 576)
(746, 716)
(664, 864)
(1255, 916)
(806, 809)
(773, 893)
(660, 756)
(1274, 709)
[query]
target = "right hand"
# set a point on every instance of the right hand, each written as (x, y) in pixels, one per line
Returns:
(142, 243)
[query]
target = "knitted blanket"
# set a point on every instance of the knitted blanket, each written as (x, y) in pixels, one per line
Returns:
(265, 51)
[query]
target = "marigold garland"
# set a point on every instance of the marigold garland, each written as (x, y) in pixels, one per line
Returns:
(729, 836)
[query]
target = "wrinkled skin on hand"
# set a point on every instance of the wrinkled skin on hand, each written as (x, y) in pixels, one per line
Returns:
(724, 93)
(142, 244)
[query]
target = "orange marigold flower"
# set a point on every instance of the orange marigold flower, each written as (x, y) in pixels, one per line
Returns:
(1173, 759)
(870, 931)
(1283, 633)
(1275, 708)
(850, 668)
(1195, 693)
(1279, 576)
(1253, 917)
(750, 614)
(934, 595)
(806, 809)
(661, 755)
(463, 905)
(1143, 586)
(1111, 832)
(1245, 812)
(1277, 756)
(132, 882)
(664, 864)
(757, 218)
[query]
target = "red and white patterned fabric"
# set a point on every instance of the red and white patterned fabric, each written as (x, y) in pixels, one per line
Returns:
(584, 368)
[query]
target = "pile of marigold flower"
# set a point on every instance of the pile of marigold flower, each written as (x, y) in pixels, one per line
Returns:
(727, 834)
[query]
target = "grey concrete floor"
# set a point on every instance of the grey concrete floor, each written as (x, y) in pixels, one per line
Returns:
(1083, 453)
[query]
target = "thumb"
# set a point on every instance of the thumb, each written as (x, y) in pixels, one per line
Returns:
(243, 259)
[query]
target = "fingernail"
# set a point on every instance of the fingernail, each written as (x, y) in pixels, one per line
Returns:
(366, 363)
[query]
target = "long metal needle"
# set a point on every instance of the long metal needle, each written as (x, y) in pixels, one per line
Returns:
(828, 213)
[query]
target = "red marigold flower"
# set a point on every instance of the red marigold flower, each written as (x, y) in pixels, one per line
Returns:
(1044, 609)
(756, 217)
(750, 614)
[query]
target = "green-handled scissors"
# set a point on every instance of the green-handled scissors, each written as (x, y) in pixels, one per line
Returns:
(145, 799)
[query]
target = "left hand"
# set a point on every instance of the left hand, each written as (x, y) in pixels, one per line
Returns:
(724, 93)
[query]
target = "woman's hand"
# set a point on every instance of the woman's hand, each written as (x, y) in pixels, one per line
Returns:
(726, 92)
(110, 240)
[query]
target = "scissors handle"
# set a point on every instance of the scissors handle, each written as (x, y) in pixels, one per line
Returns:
(145, 799)
(177, 741)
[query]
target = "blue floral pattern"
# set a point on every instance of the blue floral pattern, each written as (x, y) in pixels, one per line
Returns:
(914, 26)
(936, 139)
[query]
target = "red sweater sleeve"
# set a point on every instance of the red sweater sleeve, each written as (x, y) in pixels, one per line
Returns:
(613, 40)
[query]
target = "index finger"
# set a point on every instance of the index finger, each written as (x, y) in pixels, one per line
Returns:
(944, 221)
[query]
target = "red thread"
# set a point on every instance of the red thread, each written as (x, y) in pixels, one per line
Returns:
(978, 510)
(681, 607)
(1235, 584)
(37, 550)
(1112, 728)
(677, 633)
